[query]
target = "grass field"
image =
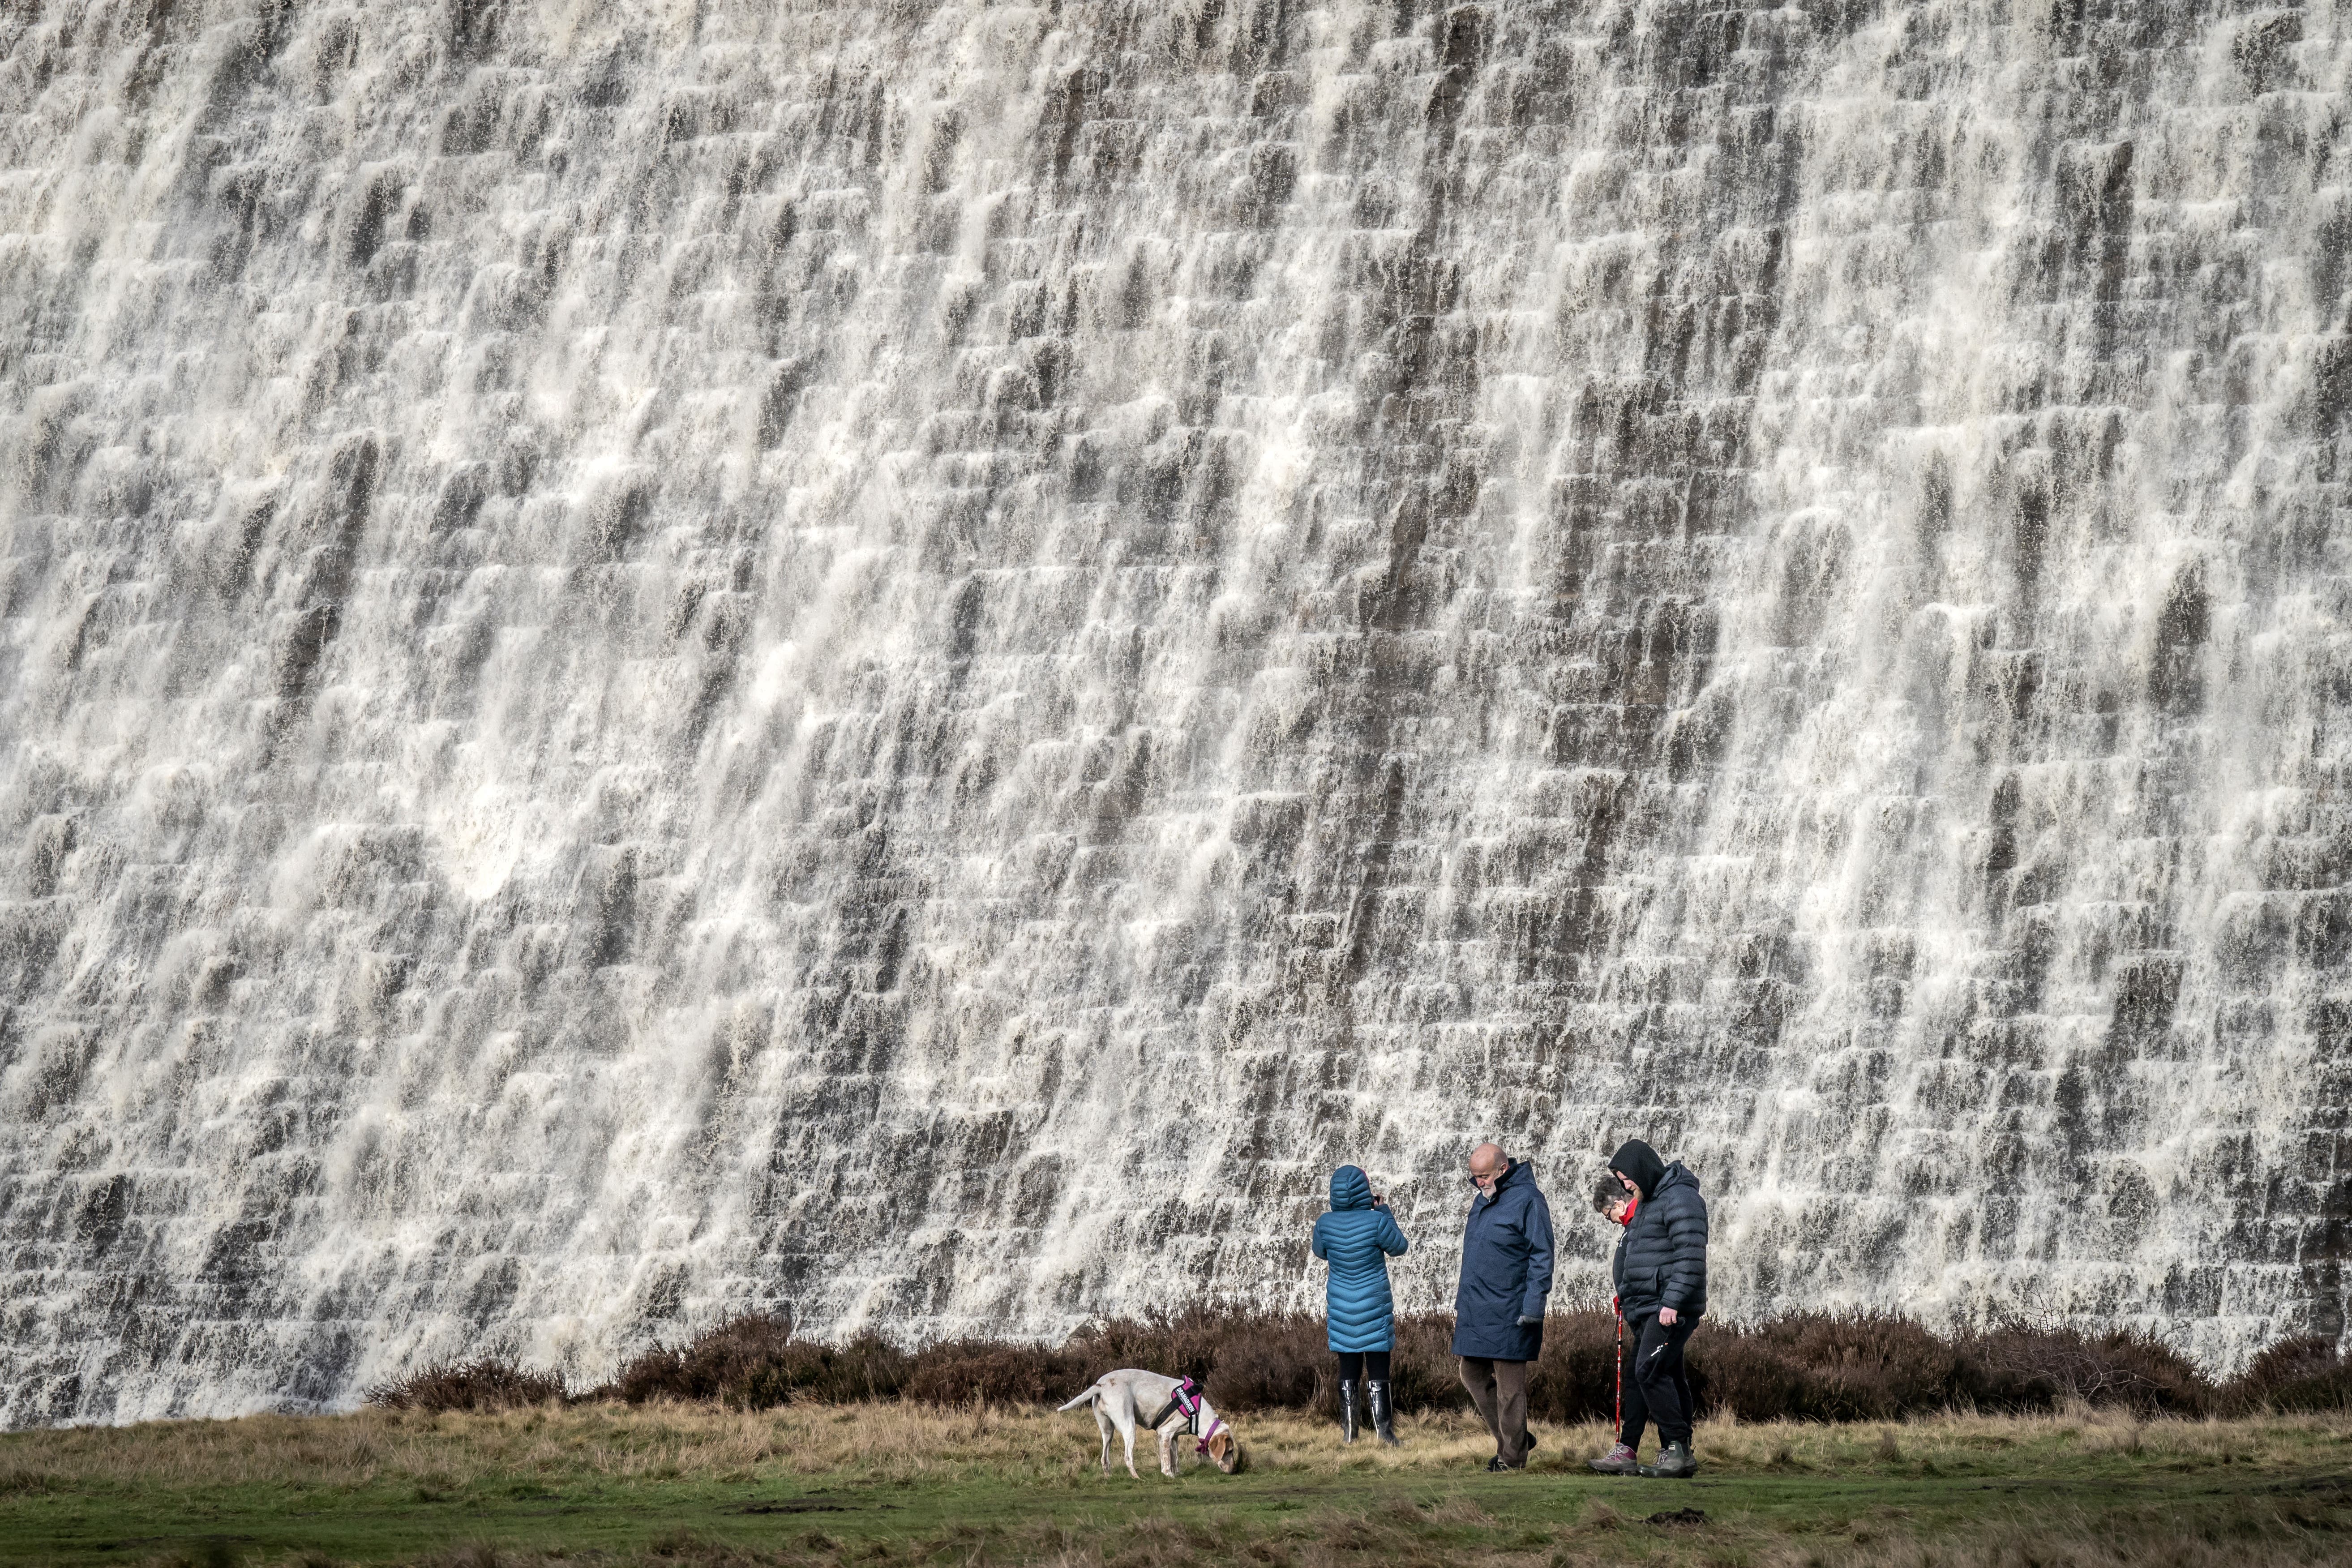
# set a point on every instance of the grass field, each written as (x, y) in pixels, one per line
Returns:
(892, 1483)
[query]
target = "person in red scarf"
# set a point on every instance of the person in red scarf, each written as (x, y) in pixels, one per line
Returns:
(1613, 1202)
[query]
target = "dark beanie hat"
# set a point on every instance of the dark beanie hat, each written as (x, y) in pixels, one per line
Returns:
(1638, 1160)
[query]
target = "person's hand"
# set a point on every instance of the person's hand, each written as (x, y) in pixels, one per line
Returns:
(1380, 1200)
(1528, 1322)
(1666, 1316)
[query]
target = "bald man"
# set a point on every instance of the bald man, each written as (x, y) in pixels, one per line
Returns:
(1498, 1308)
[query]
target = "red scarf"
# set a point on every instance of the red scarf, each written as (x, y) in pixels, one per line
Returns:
(1633, 1203)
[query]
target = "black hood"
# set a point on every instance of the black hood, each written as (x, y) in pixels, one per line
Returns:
(1638, 1160)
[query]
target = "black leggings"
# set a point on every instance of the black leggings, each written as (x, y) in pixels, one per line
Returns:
(1357, 1366)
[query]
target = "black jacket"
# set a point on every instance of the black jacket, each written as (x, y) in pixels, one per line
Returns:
(1662, 1261)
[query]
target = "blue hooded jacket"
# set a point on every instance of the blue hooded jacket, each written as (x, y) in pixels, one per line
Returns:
(1506, 1270)
(1359, 1239)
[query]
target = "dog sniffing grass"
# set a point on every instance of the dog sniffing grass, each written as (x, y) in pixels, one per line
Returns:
(694, 1486)
(1118, 1399)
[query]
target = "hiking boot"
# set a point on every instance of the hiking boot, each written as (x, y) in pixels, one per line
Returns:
(1675, 1463)
(1620, 1460)
(1376, 1394)
(1347, 1410)
(1498, 1464)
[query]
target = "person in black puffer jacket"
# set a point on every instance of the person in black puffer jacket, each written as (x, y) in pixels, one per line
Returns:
(1661, 1277)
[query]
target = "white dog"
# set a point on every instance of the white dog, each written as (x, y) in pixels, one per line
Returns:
(1124, 1397)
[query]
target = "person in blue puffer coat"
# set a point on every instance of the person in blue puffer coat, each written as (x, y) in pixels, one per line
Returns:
(1357, 1237)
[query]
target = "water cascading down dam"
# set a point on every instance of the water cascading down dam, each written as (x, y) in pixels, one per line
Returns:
(914, 659)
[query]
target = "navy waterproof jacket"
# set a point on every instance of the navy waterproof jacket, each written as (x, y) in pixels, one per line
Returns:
(1359, 1240)
(1662, 1262)
(1506, 1270)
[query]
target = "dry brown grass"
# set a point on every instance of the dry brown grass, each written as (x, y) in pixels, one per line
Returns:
(890, 1441)
(2081, 1489)
(906, 1441)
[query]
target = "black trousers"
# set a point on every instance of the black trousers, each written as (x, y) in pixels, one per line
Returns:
(1658, 1382)
(1633, 1410)
(1356, 1366)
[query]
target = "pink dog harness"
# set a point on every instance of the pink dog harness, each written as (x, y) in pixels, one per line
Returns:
(1186, 1397)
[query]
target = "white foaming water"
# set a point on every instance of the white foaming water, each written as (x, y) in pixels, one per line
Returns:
(916, 659)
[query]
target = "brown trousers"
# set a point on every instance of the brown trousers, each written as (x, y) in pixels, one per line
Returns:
(1499, 1390)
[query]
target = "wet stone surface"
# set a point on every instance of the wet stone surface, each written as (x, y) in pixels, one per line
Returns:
(914, 661)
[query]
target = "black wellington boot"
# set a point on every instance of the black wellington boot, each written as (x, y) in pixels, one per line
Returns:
(1376, 1394)
(1347, 1410)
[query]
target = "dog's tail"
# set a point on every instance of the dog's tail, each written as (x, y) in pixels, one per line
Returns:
(1092, 1392)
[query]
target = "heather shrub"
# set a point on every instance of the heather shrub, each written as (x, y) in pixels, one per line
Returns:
(1740, 1374)
(484, 1384)
(970, 1371)
(1275, 1362)
(1806, 1367)
(2295, 1374)
(740, 1363)
(1423, 1374)
(867, 1367)
(2029, 1367)
(1575, 1375)
(1180, 1344)
(1183, 1344)
(1817, 1366)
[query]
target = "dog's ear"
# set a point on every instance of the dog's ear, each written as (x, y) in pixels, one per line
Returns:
(1224, 1450)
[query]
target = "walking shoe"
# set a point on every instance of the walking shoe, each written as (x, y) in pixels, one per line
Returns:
(1675, 1463)
(1347, 1410)
(1620, 1460)
(1376, 1394)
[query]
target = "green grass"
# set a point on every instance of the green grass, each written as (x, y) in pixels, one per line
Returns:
(896, 1483)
